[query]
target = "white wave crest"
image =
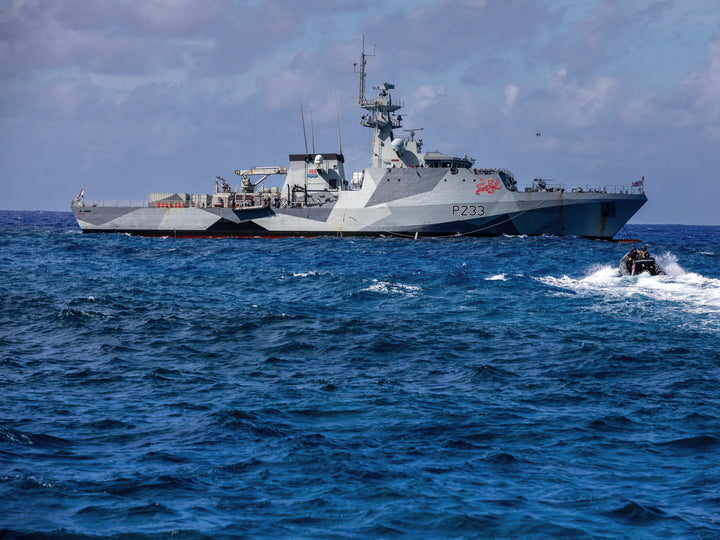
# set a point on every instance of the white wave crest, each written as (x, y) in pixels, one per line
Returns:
(310, 273)
(304, 274)
(385, 287)
(497, 277)
(668, 262)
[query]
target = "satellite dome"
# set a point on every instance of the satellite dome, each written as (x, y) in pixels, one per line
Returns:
(398, 145)
(318, 159)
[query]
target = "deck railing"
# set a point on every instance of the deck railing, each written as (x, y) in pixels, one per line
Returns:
(558, 186)
(92, 203)
(110, 202)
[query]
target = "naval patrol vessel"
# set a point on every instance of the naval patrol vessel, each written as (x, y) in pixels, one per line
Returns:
(404, 192)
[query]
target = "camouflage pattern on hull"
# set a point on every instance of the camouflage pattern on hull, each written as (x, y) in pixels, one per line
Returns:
(588, 215)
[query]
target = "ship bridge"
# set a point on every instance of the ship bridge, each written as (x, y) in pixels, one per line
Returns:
(439, 160)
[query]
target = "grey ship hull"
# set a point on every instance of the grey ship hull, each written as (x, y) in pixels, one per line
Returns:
(437, 212)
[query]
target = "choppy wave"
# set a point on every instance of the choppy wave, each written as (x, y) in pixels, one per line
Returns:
(356, 388)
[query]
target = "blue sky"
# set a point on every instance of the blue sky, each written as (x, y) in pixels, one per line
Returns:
(127, 97)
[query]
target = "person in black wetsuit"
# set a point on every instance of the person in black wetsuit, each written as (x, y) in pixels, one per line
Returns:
(646, 263)
(629, 259)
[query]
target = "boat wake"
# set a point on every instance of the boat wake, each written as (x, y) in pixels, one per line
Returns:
(687, 290)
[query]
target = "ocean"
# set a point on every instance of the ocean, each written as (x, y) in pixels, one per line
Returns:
(356, 388)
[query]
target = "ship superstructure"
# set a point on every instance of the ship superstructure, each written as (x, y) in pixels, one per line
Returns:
(404, 192)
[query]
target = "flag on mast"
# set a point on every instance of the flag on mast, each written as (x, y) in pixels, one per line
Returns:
(639, 183)
(81, 194)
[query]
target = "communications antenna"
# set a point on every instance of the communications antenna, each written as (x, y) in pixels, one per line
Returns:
(302, 115)
(337, 118)
(363, 60)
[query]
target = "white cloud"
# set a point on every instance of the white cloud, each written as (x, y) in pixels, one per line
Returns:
(426, 96)
(180, 16)
(511, 93)
(704, 91)
(312, 80)
(67, 97)
(130, 82)
(693, 104)
(580, 106)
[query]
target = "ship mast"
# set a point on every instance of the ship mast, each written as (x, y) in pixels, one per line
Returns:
(363, 60)
(381, 116)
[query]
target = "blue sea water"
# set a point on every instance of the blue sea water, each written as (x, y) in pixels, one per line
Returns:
(356, 387)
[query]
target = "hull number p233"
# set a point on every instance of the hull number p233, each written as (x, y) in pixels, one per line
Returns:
(468, 210)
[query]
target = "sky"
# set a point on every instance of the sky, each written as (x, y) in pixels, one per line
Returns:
(128, 97)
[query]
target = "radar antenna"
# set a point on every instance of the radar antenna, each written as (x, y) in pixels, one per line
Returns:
(412, 132)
